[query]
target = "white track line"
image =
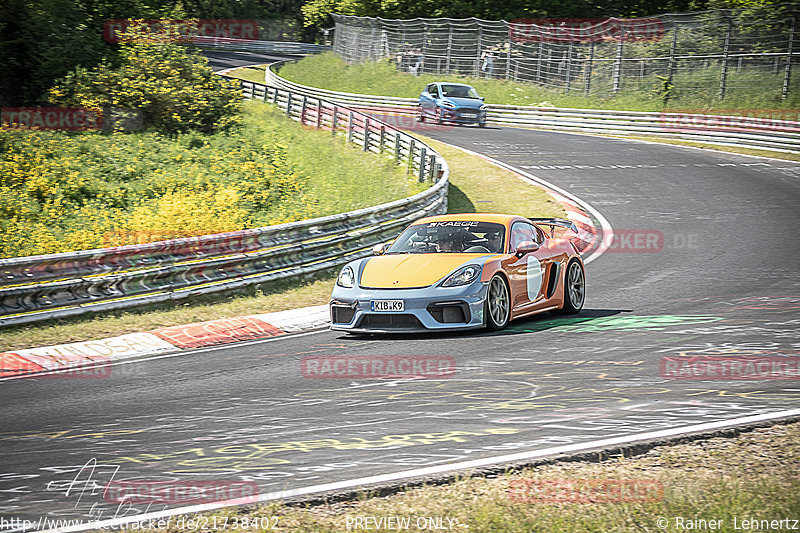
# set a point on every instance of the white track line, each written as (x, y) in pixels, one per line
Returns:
(441, 469)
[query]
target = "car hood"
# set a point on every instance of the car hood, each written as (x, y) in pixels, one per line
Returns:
(405, 271)
(465, 102)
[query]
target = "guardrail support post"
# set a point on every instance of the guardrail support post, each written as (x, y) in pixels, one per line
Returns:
(382, 139)
(410, 160)
(431, 166)
(366, 135)
(289, 105)
(303, 111)
(397, 148)
(334, 116)
(319, 113)
(423, 156)
(350, 128)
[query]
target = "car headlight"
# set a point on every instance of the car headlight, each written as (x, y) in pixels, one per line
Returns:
(448, 104)
(462, 276)
(347, 278)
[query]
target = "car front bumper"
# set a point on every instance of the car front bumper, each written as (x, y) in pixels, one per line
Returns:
(464, 116)
(425, 309)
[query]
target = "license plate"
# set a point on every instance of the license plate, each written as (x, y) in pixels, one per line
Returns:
(387, 305)
(467, 114)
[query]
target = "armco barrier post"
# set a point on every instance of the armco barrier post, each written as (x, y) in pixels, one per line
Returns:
(396, 148)
(319, 113)
(422, 158)
(383, 139)
(289, 105)
(334, 117)
(350, 128)
(410, 159)
(366, 134)
(303, 111)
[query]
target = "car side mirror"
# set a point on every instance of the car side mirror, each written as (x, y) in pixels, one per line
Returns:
(482, 99)
(379, 249)
(526, 247)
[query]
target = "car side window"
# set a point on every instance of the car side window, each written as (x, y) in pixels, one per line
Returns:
(522, 231)
(434, 90)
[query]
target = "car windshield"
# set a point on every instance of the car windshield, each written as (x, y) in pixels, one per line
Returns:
(450, 236)
(459, 91)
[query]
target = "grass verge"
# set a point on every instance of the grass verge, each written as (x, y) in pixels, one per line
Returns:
(329, 71)
(475, 186)
(752, 476)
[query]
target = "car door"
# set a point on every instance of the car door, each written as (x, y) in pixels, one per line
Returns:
(427, 98)
(527, 273)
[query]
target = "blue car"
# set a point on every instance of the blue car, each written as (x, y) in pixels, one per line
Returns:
(452, 102)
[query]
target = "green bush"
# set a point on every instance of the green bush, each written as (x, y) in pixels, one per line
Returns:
(169, 87)
(62, 191)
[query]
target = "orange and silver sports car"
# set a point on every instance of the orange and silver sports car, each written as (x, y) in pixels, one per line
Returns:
(463, 271)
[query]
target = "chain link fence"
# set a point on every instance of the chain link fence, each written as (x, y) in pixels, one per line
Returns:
(723, 53)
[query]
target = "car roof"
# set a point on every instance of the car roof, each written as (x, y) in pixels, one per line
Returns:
(451, 83)
(479, 217)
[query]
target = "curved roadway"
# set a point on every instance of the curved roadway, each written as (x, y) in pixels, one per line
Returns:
(723, 282)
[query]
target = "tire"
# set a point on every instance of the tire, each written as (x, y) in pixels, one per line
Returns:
(421, 116)
(574, 289)
(482, 124)
(439, 116)
(497, 308)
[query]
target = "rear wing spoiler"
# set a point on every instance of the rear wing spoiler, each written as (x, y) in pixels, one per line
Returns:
(554, 222)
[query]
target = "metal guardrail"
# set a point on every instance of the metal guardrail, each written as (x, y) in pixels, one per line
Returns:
(745, 132)
(262, 47)
(72, 283)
